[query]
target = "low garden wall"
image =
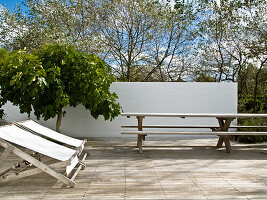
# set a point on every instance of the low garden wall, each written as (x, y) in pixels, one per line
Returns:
(162, 97)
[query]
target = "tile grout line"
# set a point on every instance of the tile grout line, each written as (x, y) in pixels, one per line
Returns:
(46, 193)
(92, 176)
(195, 184)
(225, 180)
(159, 180)
(10, 190)
(255, 180)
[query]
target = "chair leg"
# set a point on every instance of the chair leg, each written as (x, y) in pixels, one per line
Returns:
(81, 162)
(81, 167)
(41, 166)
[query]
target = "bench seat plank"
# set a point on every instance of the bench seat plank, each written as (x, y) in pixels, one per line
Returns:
(188, 126)
(182, 115)
(192, 133)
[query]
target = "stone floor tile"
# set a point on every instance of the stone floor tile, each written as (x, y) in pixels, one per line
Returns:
(169, 168)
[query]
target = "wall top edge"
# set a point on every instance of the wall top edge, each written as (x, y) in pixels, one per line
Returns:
(176, 82)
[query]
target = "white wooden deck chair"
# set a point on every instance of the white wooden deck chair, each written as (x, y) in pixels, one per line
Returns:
(35, 127)
(12, 136)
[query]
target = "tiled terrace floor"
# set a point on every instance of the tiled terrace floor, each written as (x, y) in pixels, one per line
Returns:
(170, 168)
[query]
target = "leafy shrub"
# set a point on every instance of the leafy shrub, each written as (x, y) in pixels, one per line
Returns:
(246, 104)
(55, 76)
(253, 138)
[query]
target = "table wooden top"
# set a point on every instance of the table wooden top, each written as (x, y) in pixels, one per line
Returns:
(182, 115)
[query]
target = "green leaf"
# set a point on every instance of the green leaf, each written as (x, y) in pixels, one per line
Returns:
(12, 82)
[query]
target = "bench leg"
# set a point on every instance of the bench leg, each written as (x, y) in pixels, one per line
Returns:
(224, 126)
(226, 141)
(220, 142)
(144, 137)
(140, 143)
(227, 144)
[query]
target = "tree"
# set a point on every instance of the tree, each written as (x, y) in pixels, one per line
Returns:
(149, 34)
(124, 29)
(236, 35)
(254, 19)
(172, 35)
(247, 102)
(54, 77)
(71, 22)
(12, 26)
(218, 46)
(204, 78)
(58, 21)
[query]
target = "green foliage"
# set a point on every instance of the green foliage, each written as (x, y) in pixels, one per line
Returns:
(1, 113)
(246, 104)
(20, 73)
(253, 138)
(205, 78)
(125, 33)
(246, 90)
(3, 120)
(54, 77)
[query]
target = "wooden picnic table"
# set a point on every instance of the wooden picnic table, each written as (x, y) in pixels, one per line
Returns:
(224, 122)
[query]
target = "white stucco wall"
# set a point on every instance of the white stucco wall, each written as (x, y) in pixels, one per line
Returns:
(188, 97)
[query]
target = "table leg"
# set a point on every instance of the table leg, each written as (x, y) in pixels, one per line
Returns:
(140, 138)
(224, 126)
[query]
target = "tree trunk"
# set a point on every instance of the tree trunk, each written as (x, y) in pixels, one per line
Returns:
(256, 91)
(256, 84)
(128, 72)
(59, 117)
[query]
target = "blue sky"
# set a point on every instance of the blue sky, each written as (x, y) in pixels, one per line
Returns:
(10, 4)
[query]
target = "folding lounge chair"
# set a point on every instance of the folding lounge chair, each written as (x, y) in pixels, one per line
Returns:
(35, 127)
(11, 134)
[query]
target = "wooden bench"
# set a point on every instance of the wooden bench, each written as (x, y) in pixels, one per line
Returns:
(221, 130)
